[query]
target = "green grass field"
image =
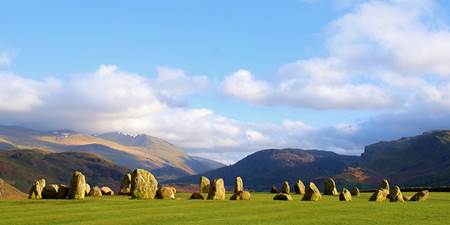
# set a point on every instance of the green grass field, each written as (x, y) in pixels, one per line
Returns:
(261, 210)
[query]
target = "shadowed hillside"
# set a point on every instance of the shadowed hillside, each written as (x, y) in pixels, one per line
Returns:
(22, 167)
(8, 192)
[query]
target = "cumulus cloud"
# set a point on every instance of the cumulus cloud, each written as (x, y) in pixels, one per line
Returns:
(370, 42)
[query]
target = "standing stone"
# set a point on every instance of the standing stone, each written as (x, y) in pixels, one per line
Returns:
(330, 187)
(273, 190)
(77, 187)
(204, 185)
(286, 188)
(241, 195)
(396, 195)
(96, 192)
(125, 185)
(217, 190)
(143, 184)
(63, 191)
(50, 191)
(283, 197)
(345, 195)
(88, 189)
(312, 193)
(385, 185)
(379, 195)
(36, 190)
(238, 185)
(197, 195)
(355, 191)
(299, 188)
(420, 196)
(166, 193)
(106, 191)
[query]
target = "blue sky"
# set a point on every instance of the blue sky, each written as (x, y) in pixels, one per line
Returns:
(238, 75)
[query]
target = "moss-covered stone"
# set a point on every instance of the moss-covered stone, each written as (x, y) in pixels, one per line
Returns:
(330, 187)
(420, 196)
(283, 197)
(36, 189)
(312, 193)
(216, 190)
(241, 195)
(299, 187)
(77, 187)
(345, 195)
(143, 184)
(125, 185)
(204, 184)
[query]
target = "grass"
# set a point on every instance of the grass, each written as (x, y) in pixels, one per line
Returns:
(261, 210)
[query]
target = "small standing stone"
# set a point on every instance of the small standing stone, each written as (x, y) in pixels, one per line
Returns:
(217, 190)
(345, 195)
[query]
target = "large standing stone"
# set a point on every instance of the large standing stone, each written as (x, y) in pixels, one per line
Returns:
(238, 185)
(63, 191)
(50, 191)
(125, 185)
(204, 185)
(420, 196)
(166, 193)
(385, 185)
(274, 190)
(241, 195)
(379, 195)
(96, 192)
(355, 191)
(217, 190)
(143, 184)
(396, 195)
(106, 191)
(299, 188)
(197, 195)
(283, 197)
(285, 188)
(312, 193)
(345, 195)
(77, 187)
(88, 189)
(36, 190)
(330, 187)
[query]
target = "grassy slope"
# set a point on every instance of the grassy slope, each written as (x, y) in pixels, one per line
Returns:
(261, 210)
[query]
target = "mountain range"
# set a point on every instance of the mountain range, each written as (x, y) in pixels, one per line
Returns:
(422, 160)
(164, 159)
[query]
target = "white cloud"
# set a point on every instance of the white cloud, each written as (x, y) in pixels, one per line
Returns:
(242, 85)
(20, 94)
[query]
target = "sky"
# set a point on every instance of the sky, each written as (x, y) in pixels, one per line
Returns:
(224, 79)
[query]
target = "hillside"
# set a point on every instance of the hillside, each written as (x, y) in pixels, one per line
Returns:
(22, 167)
(422, 160)
(155, 154)
(412, 161)
(265, 168)
(9, 192)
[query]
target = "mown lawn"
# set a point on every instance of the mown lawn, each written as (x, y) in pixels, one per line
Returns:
(261, 210)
